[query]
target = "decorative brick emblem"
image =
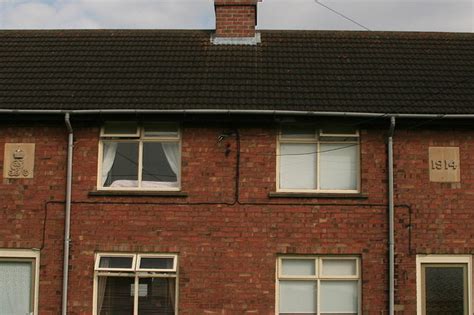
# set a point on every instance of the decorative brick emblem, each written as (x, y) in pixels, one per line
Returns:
(19, 160)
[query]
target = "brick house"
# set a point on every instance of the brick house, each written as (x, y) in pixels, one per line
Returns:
(236, 172)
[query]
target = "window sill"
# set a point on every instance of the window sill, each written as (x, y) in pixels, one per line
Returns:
(136, 193)
(275, 194)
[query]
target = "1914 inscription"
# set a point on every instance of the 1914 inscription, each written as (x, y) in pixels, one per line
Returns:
(444, 164)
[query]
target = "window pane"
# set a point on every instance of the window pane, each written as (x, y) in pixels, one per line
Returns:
(444, 290)
(339, 130)
(156, 263)
(15, 287)
(338, 139)
(116, 262)
(339, 297)
(339, 267)
(120, 164)
(339, 166)
(120, 127)
(306, 132)
(161, 161)
(298, 267)
(298, 166)
(158, 296)
(113, 295)
(161, 130)
(298, 297)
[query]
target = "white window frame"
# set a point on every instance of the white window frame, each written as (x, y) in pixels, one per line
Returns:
(175, 262)
(136, 134)
(442, 260)
(140, 138)
(316, 140)
(22, 255)
(318, 277)
(136, 273)
(101, 255)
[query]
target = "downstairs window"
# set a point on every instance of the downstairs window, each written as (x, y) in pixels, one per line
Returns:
(135, 284)
(318, 285)
(19, 273)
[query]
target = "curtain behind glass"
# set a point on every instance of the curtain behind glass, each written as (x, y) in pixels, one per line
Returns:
(124, 171)
(118, 297)
(15, 288)
(338, 166)
(110, 150)
(339, 297)
(172, 155)
(298, 166)
(159, 298)
(101, 285)
(298, 297)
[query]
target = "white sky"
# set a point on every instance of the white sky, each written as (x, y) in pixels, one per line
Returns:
(392, 15)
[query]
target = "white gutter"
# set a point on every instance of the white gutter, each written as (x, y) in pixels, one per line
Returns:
(232, 111)
(67, 216)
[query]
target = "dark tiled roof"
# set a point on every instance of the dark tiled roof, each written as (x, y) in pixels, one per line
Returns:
(291, 70)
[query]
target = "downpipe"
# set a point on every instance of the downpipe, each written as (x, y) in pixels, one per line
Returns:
(67, 214)
(391, 226)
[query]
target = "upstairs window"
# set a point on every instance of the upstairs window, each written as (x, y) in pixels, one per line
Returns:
(139, 157)
(318, 160)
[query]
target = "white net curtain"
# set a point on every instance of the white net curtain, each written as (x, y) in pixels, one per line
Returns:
(15, 288)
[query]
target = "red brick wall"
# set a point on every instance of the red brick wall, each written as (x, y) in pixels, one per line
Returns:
(22, 206)
(442, 217)
(227, 252)
(235, 18)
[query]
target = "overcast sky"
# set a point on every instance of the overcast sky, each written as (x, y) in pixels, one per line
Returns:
(394, 15)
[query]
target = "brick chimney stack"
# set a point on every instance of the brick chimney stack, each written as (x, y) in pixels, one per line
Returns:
(235, 18)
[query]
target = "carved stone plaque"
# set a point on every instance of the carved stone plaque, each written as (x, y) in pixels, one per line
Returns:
(19, 160)
(444, 164)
